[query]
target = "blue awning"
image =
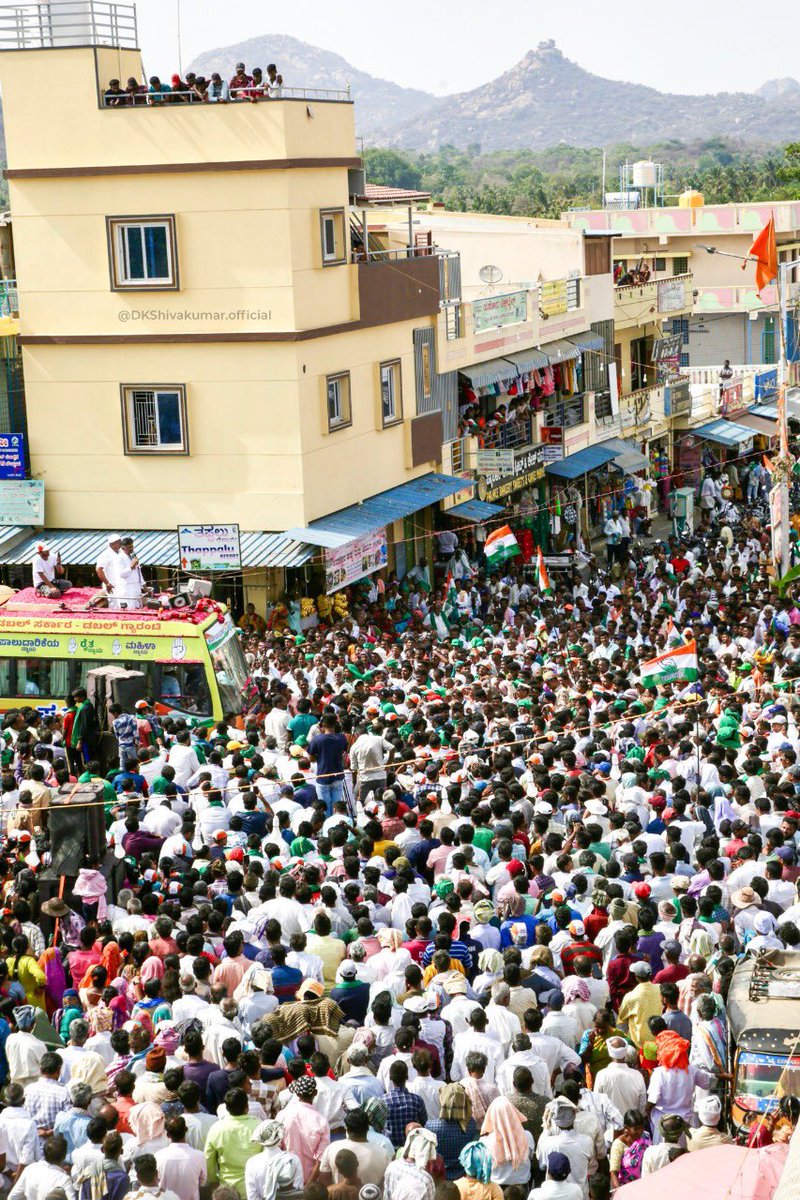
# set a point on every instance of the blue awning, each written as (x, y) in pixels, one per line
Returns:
(768, 411)
(398, 502)
(725, 433)
(582, 461)
(155, 548)
(561, 351)
(528, 360)
(475, 510)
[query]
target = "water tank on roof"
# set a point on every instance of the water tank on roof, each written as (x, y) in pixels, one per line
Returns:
(644, 174)
(691, 199)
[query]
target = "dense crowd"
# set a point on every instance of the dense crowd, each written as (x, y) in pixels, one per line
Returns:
(197, 89)
(451, 912)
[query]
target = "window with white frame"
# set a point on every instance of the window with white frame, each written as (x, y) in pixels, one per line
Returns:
(332, 231)
(143, 253)
(338, 400)
(391, 393)
(154, 419)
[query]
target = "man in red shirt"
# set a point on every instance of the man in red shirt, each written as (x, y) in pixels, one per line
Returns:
(598, 918)
(423, 928)
(163, 943)
(579, 946)
(674, 970)
(618, 976)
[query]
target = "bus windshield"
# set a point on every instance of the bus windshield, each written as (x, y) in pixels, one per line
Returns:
(229, 663)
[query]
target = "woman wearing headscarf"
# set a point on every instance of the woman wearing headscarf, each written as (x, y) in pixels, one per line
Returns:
(389, 964)
(578, 1002)
(408, 1178)
(454, 1127)
(147, 1125)
(255, 995)
(89, 1068)
(23, 968)
(508, 1142)
(71, 1011)
(476, 1183)
(377, 1113)
(274, 1168)
(490, 968)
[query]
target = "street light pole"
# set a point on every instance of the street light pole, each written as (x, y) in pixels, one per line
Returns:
(784, 463)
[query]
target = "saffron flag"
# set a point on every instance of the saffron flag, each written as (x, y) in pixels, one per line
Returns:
(765, 252)
(541, 573)
(673, 665)
(500, 546)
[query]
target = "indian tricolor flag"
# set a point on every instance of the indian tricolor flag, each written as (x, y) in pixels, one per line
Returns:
(673, 634)
(541, 573)
(677, 664)
(500, 546)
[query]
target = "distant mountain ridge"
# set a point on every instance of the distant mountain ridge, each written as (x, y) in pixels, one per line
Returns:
(543, 100)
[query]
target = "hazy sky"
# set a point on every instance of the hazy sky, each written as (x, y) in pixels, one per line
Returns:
(454, 45)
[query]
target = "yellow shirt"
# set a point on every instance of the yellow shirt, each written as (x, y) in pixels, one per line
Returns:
(331, 950)
(640, 1004)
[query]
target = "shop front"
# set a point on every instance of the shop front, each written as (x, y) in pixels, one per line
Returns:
(520, 489)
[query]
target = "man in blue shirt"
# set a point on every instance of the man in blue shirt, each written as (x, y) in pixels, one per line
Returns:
(328, 749)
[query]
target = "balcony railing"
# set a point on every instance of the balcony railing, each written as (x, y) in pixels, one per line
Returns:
(61, 23)
(510, 436)
(246, 95)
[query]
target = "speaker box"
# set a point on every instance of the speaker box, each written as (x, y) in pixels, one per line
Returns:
(77, 826)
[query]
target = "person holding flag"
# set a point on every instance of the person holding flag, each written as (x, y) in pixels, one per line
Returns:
(500, 546)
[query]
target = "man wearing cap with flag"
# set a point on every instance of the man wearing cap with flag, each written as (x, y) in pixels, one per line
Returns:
(49, 577)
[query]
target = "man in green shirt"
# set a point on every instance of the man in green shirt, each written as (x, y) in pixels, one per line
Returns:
(230, 1143)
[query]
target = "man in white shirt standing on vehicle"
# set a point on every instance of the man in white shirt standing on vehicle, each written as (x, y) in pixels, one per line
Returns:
(109, 567)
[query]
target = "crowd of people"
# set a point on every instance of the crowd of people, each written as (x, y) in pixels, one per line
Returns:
(450, 911)
(244, 85)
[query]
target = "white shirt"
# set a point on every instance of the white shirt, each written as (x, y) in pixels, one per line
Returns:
(43, 567)
(38, 1180)
(19, 1137)
(185, 762)
(110, 563)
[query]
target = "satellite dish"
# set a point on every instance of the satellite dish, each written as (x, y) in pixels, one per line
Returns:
(490, 274)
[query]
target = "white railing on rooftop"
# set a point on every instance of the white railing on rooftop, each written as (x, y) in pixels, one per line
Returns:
(62, 23)
(248, 95)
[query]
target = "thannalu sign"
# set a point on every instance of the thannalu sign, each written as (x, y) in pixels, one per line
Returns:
(493, 312)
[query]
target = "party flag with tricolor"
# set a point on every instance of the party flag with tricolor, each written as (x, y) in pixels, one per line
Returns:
(500, 545)
(541, 573)
(449, 602)
(674, 635)
(672, 666)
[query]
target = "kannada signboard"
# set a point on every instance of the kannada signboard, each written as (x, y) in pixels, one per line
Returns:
(553, 297)
(528, 469)
(362, 556)
(103, 647)
(209, 547)
(494, 312)
(552, 439)
(21, 502)
(671, 295)
(494, 462)
(12, 455)
(666, 349)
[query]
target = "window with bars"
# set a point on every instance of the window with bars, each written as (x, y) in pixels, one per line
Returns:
(768, 346)
(573, 294)
(567, 413)
(680, 266)
(143, 253)
(154, 419)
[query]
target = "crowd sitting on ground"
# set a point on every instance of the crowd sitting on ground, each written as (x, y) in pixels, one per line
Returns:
(451, 910)
(242, 86)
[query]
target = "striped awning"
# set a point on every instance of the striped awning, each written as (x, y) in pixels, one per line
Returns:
(725, 433)
(494, 370)
(560, 351)
(587, 341)
(155, 548)
(528, 360)
(475, 510)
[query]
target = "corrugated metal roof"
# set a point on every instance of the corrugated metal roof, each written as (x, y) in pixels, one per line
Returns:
(492, 371)
(768, 411)
(726, 433)
(587, 341)
(10, 534)
(560, 351)
(156, 548)
(475, 510)
(341, 527)
(580, 462)
(528, 360)
(376, 193)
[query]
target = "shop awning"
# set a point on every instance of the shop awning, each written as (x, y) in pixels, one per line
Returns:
(475, 510)
(10, 535)
(763, 425)
(155, 548)
(769, 409)
(561, 351)
(587, 341)
(341, 527)
(627, 457)
(580, 462)
(492, 371)
(725, 433)
(527, 360)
